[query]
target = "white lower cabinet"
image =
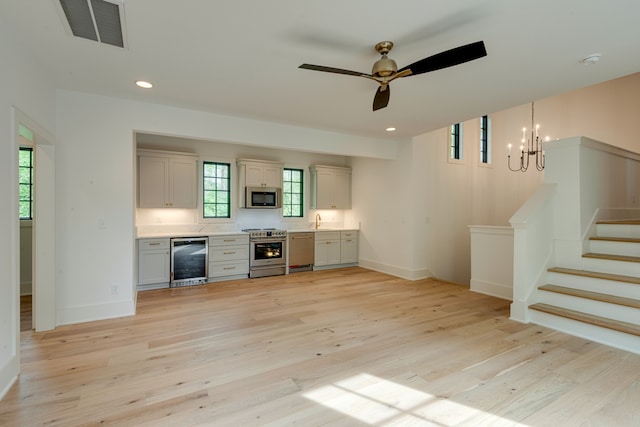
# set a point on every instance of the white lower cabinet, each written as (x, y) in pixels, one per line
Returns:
(327, 248)
(229, 256)
(348, 247)
(153, 263)
(336, 248)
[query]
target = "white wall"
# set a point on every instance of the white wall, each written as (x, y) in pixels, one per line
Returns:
(23, 84)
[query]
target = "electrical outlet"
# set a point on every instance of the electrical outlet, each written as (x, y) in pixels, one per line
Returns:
(114, 290)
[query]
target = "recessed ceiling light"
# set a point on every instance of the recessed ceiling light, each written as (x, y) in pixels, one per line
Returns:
(591, 59)
(143, 84)
(390, 129)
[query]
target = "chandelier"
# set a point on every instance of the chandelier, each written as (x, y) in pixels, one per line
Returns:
(528, 148)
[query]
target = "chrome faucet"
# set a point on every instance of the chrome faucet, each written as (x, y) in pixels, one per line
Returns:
(318, 219)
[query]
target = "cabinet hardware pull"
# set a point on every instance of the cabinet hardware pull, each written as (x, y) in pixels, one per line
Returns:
(154, 244)
(229, 253)
(229, 268)
(229, 240)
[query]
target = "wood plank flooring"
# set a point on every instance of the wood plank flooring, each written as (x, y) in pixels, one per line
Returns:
(348, 347)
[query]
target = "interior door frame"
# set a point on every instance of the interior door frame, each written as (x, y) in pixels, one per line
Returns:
(43, 240)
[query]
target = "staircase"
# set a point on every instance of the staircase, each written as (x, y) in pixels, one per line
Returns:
(601, 302)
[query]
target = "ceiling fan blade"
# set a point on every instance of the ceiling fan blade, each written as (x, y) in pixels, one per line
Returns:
(448, 58)
(382, 97)
(333, 70)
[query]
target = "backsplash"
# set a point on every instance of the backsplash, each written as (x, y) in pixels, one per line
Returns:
(157, 221)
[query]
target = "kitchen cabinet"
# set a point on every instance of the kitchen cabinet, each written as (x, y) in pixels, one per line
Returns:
(153, 263)
(229, 256)
(330, 187)
(327, 248)
(348, 247)
(167, 179)
(257, 173)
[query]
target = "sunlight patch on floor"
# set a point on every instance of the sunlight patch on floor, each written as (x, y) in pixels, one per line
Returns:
(377, 401)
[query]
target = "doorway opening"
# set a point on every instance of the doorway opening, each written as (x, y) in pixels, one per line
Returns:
(36, 154)
(26, 202)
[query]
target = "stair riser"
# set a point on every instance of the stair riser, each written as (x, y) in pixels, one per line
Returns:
(597, 308)
(618, 230)
(610, 287)
(615, 248)
(622, 268)
(594, 333)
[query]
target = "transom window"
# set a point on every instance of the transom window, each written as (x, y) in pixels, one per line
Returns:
(25, 168)
(216, 190)
(485, 148)
(292, 185)
(455, 144)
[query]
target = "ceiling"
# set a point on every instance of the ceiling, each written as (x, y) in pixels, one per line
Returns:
(241, 57)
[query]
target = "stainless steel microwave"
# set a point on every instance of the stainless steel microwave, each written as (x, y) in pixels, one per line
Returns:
(263, 198)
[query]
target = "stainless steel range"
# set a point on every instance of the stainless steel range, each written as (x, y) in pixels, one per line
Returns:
(267, 252)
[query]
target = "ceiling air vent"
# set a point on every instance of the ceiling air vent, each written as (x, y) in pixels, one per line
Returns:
(98, 20)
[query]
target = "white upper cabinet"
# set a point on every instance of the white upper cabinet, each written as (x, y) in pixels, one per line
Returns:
(257, 173)
(330, 187)
(167, 179)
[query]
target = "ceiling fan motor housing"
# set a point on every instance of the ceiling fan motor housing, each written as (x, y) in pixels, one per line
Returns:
(384, 67)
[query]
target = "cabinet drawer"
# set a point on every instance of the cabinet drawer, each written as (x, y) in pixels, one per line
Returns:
(145, 244)
(232, 268)
(327, 235)
(349, 234)
(240, 239)
(228, 253)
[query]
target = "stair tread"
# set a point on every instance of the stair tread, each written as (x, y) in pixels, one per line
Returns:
(616, 239)
(604, 322)
(597, 275)
(620, 221)
(596, 296)
(625, 258)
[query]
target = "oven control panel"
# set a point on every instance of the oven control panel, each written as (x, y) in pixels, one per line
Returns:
(266, 233)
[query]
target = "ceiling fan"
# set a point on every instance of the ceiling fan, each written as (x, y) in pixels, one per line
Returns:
(385, 69)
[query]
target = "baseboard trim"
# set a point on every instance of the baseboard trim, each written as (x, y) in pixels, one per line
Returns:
(498, 290)
(393, 270)
(89, 313)
(9, 375)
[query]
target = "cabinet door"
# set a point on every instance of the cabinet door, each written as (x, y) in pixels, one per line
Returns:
(342, 190)
(254, 175)
(321, 253)
(182, 183)
(153, 266)
(324, 190)
(273, 177)
(349, 250)
(327, 252)
(333, 252)
(153, 174)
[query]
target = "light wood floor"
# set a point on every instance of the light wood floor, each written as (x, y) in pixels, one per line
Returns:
(346, 347)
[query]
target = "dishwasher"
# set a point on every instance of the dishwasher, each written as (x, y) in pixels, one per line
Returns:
(301, 251)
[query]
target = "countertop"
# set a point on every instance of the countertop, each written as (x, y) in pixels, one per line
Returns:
(169, 234)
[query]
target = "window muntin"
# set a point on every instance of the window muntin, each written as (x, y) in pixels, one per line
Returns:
(485, 147)
(25, 169)
(455, 142)
(292, 194)
(216, 197)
